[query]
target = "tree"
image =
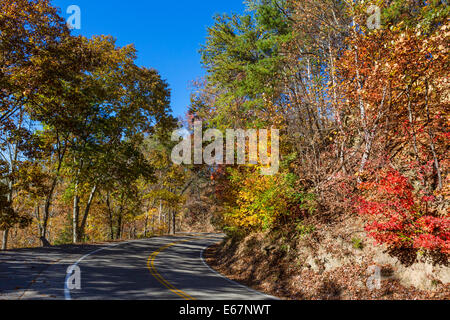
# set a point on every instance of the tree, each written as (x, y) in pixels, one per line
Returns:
(349, 101)
(8, 216)
(90, 101)
(172, 181)
(29, 29)
(126, 104)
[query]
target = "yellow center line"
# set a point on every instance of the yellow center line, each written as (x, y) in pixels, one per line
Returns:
(159, 277)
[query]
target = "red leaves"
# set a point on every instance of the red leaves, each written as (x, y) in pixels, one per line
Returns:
(396, 220)
(430, 242)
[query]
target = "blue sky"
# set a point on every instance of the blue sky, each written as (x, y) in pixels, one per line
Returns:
(167, 34)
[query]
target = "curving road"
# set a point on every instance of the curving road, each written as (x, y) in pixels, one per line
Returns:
(163, 268)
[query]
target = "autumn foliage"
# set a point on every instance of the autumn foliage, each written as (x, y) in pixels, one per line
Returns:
(398, 217)
(363, 116)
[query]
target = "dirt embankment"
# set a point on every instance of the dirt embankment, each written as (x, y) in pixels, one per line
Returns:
(333, 262)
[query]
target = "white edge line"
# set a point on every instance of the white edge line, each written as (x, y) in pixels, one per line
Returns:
(229, 280)
(66, 289)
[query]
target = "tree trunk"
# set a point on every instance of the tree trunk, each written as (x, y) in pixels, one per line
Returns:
(42, 227)
(110, 213)
(37, 215)
(174, 216)
(133, 231)
(43, 234)
(363, 119)
(76, 214)
(432, 147)
(46, 214)
(153, 224)
(5, 239)
(86, 212)
(48, 200)
(167, 221)
(159, 216)
(146, 223)
(369, 135)
(412, 123)
(119, 224)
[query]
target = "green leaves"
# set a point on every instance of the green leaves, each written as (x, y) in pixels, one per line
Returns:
(413, 15)
(243, 59)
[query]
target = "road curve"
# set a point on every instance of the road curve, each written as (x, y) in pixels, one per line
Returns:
(161, 268)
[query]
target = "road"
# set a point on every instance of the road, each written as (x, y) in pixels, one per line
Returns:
(160, 268)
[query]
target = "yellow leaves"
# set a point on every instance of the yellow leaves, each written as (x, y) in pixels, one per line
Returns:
(259, 201)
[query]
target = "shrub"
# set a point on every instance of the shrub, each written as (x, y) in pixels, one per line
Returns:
(396, 217)
(261, 203)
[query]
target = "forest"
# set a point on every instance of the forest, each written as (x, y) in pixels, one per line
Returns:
(359, 91)
(363, 113)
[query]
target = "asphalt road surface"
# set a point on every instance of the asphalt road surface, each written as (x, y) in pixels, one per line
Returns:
(162, 268)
